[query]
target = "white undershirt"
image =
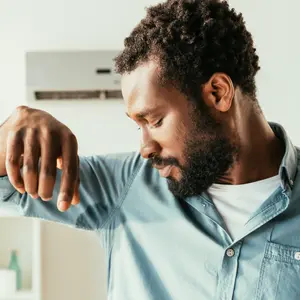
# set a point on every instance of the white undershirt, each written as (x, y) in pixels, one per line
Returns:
(235, 203)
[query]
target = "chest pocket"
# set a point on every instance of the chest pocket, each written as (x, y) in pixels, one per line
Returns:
(280, 273)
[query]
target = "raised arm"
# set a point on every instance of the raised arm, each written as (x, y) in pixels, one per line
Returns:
(32, 144)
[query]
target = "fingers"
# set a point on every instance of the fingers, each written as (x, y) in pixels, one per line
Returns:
(30, 162)
(76, 197)
(35, 136)
(47, 176)
(14, 151)
(70, 172)
(44, 146)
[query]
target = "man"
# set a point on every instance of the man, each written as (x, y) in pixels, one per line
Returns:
(209, 208)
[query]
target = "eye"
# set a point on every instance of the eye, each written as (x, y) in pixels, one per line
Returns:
(159, 123)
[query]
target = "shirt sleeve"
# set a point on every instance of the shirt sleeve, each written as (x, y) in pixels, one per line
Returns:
(104, 182)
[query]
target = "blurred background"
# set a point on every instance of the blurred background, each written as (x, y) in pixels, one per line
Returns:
(58, 262)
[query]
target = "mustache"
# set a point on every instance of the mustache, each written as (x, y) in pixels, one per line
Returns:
(163, 162)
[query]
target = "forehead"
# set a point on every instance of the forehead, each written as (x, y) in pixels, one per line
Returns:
(143, 91)
(141, 86)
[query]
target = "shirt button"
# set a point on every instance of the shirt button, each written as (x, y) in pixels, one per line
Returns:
(297, 255)
(230, 253)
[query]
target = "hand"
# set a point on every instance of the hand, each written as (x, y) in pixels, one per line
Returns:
(35, 136)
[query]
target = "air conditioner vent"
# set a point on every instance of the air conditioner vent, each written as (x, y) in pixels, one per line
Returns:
(78, 95)
(72, 75)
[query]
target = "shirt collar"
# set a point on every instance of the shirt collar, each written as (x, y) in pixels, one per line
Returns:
(288, 166)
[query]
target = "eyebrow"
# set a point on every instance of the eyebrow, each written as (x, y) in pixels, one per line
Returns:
(145, 113)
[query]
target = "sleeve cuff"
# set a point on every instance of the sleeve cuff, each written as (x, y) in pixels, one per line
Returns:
(6, 188)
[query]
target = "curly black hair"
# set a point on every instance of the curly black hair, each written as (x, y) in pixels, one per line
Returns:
(192, 40)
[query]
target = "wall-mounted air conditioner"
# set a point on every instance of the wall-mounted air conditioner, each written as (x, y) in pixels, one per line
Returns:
(72, 75)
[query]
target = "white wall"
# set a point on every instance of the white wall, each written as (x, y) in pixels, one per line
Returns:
(275, 25)
(98, 24)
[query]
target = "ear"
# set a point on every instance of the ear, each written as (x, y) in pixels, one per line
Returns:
(218, 92)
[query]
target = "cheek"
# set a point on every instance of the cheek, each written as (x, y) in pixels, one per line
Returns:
(172, 132)
(172, 138)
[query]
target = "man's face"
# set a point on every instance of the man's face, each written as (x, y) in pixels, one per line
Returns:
(188, 146)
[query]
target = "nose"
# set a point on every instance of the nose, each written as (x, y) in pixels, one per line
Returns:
(149, 147)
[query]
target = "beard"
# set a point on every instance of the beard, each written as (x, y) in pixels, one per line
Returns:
(208, 155)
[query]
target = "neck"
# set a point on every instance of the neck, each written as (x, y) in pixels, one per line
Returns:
(260, 154)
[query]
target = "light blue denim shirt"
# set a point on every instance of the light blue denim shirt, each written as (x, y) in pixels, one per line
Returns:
(160, 248)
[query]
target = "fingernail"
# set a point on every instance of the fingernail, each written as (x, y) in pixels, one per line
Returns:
(63, 205)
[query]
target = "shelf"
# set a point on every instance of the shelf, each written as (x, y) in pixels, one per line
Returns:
(22, 234)
(20, 237)
(22, 295)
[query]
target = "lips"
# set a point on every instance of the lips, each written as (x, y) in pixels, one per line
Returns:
(165, 171)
